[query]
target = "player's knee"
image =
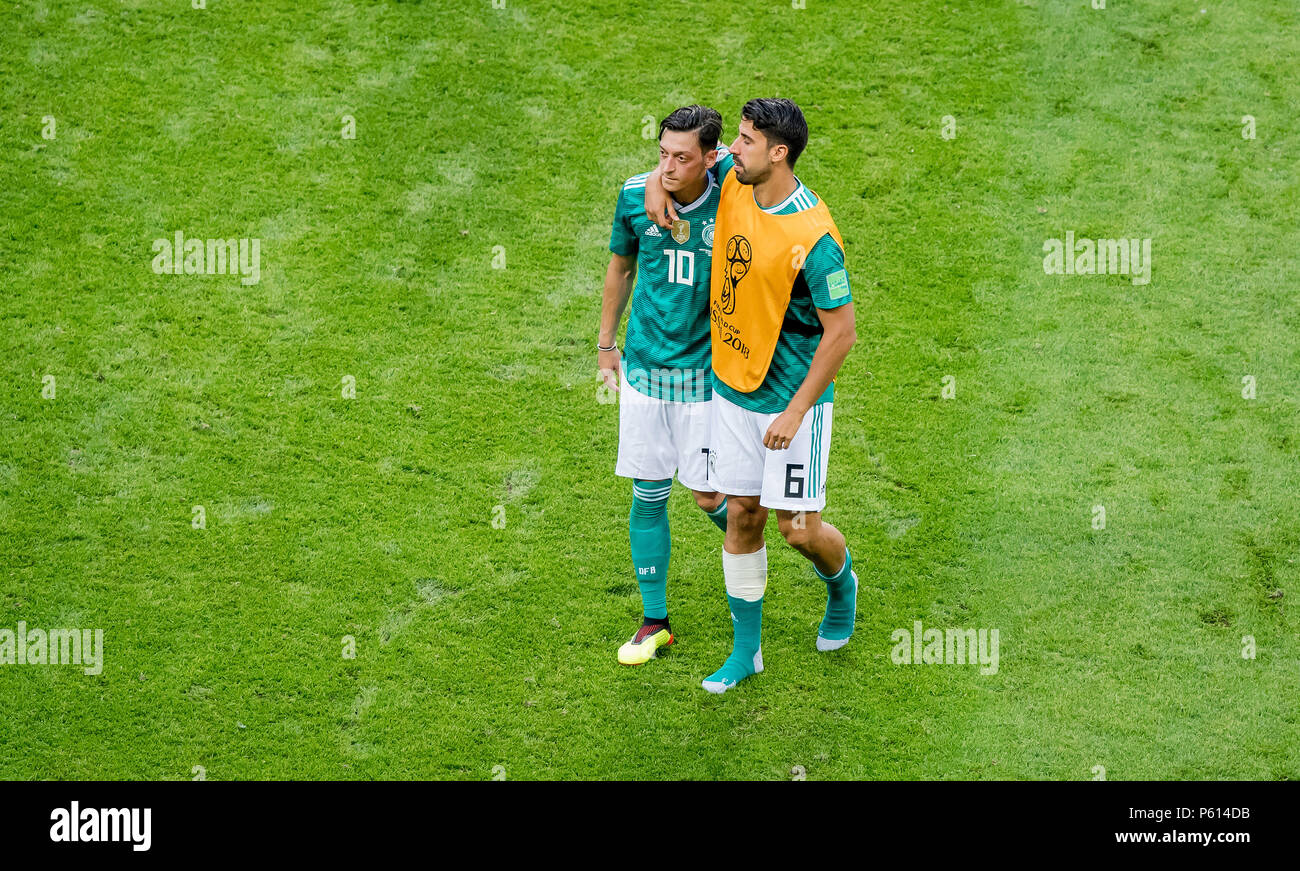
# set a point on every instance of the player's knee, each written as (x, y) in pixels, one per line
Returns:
(799, 539)
(708, 500)
(745, 515)
(799, 529)
(650, 498)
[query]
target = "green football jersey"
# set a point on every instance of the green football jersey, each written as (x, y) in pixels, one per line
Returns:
(823, 283)
(667, 350)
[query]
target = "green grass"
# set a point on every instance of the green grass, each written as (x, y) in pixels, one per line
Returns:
(372, 517)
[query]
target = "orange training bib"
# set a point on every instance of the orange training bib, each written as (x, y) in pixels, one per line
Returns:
(756, 259)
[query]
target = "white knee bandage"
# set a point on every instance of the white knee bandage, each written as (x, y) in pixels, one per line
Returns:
(745, 574)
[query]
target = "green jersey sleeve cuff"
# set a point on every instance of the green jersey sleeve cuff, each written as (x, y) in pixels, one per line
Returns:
(828, 280)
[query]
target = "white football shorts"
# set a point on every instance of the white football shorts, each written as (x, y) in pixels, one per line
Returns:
(793, 479)
(657, 438)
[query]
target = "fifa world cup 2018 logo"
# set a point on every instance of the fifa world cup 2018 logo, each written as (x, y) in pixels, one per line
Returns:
(739, 255)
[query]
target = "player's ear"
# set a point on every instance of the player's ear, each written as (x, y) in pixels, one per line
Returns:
(778, 152)
(710, 158)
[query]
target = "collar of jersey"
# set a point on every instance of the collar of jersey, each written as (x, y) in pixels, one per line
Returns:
(704, 196)
(798, 186)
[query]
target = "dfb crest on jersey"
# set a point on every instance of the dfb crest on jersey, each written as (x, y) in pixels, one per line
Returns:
(681, 231)
(707, 235)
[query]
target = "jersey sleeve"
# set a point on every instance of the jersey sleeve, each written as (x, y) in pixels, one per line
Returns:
(723, 164)
(622, 239)
(828, 280)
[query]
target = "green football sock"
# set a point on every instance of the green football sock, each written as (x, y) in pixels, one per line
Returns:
(747, 635)
(651, 544)
(747, 628)
(719, 515)
(841, 602)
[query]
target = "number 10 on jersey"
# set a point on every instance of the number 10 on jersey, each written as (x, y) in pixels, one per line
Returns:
(681, 266)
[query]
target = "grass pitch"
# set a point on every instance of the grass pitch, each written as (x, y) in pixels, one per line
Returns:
(458, 518)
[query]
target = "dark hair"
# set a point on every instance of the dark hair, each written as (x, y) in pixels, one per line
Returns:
(781, 123)
(706, 122)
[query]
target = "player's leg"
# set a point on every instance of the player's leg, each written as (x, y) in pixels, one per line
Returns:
(714, 506)
(821, 543)
(691, 424)
(651, 547)
(825, 547)
(794, 483)
(745, 522)
(645, 455)
(737, 471)
(744, 572)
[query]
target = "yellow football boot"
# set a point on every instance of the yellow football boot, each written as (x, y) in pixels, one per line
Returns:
(644, 643)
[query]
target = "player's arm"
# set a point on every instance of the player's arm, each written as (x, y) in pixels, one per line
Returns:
(659, 203)
(620, 277)
(840, 334)
(619, 280)
(828, 282)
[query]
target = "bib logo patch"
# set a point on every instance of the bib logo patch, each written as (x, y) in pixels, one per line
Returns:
(739, 255)
(837, 284)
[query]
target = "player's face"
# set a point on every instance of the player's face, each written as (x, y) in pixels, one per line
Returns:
(751, 155)
(681, 160)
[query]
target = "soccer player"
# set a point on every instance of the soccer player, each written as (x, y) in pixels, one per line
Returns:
(781, 321)
(665, 406)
